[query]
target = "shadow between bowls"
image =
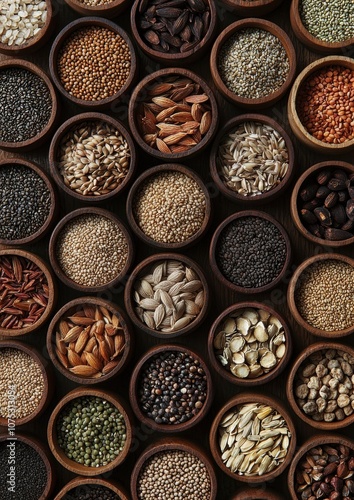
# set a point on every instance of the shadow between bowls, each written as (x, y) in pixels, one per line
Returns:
(267, 196)
(52, 437)
(134, 382)
(108, 9)
(245, 102)
(75, 122)
(85, 483)
(254, 8)
(257, 494)
(293, 285)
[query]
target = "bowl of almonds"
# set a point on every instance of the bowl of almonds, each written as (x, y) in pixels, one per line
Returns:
(249, 344)
(89, 340)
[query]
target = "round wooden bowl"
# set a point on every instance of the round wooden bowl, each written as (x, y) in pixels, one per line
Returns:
(138, 96)
(241, 399)
(52, 437)
(251, 9)
(65, 33)
(34, 43)
(108, 10)
(167, 445)
(257, 494)
(42, 451)
(245, 102)
(317, 440)
(134, 383)
(42, 231)
(295, 123)
(267, 196)
(143, 269)
(77, 305)
(85, 483)
(300, 359)
(74, 122)
(180, 58)
(167, 167)
(46, 132)
(214, 241)
(293, 285)
(312, 42)
(54, 240)
(48, 379)
(305, 178)
(43, 266)
(224, 372)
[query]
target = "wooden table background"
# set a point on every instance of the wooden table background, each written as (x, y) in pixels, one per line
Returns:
(221, 297)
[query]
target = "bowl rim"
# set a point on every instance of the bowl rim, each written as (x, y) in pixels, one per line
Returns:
(256, 3)
(256, 494)
(83, 481)
(113, 7)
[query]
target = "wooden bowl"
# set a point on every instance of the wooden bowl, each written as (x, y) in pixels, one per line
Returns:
(134, 190)
(312, 42)
(251, 9)
(305, 178)
(74, 122)
(76, 305)
(65, 33)
(108, 10)
(134, 384)
(225, 372)
(315, 441)
(170, 58)
(143, 269)
(295, 123)
(139, 95)
(293, 285)
(43, 452)
(52, 293)
(172, 444)
(257, 494)
(241, 399)
(43, 230)
(266, 196)
(34, 43)
(213, 245)
(58, 452)
(46, 132)
(54, 240)
(84, 483)
(48, 379)
(300, 359)
(274, 29)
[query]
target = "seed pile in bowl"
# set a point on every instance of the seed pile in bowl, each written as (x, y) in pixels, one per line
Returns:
(251, 252)
(326, 204)
(91, 492)
(172, 474)
(325, 104)
(94, 158)
(169, 296)
(253, 439)
(268, 71)
(89, 341)
(169, 207)
(91, 250)
(324, 385)
(94, 63)
(174, 114)
(21, 384)
(24, 292)
(25, 104)
(250, 343)
(175, 28)
(252, 159)
(325, 295)
(25, 202)
(171, 388)
(20, 21)
(91, 431)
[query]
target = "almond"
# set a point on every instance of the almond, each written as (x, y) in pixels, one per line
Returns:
(60, 344)
(84, 371)
(81, 320)
(62, 358)
(82, 340)
(109, 367)
(93, 361)
(73, 334)
(74, 358)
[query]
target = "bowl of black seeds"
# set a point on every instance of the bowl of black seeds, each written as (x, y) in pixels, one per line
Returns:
(28, 106)
(170, 388)
(27, 202)
(250, 252)
(92, 488)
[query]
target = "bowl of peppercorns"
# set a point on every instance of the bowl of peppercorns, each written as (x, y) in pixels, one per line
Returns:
(94, 488)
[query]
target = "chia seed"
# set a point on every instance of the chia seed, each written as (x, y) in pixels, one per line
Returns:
(91, 492)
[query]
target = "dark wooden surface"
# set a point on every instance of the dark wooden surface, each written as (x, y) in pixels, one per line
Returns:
(221, 297)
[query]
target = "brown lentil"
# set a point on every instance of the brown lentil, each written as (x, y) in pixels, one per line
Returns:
(169, 207)
(325, 104)
(325, 296)
(94, 63)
